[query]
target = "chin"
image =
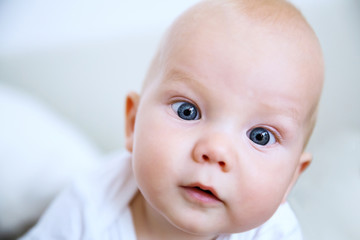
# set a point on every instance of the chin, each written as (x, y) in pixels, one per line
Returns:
(197, 231)
(196, 226)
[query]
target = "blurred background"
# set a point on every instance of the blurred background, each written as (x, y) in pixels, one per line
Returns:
(65, 67)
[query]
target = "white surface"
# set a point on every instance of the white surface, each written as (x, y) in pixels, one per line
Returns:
(327, 199)
(81, 57)
(47, 24)
(40, 152)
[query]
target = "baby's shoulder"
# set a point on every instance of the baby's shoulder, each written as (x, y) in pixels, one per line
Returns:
(110, 188)
(93, 205)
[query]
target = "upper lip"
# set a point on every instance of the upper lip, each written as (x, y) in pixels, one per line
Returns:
(204, 188)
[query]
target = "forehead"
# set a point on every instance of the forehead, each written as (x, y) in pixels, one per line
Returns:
(243, 61)
(240, 58)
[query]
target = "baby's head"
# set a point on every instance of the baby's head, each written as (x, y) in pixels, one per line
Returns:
(219, 131)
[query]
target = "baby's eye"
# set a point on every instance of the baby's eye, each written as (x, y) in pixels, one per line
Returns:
(261, 136)
(186, 110)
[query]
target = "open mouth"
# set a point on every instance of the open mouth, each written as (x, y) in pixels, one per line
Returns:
(205, 191)
(202, 194)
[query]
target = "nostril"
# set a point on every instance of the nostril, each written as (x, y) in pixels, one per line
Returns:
(205, 157)
(222, 164)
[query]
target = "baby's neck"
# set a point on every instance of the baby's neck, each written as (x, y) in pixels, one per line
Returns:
(151, 225)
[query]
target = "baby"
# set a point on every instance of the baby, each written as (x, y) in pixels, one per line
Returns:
(217, 137)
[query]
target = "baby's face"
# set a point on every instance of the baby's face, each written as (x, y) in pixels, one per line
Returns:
(219, 133)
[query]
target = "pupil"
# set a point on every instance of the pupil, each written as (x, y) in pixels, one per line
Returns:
(259, 137)
(187, 112)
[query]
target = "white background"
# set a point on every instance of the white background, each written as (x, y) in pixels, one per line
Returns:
(81, 57)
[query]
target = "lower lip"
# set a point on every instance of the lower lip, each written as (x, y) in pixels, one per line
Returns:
(197, 196)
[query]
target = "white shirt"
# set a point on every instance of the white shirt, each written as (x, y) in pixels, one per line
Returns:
(97, 208)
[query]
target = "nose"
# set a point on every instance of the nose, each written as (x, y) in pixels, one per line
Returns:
(215, 149)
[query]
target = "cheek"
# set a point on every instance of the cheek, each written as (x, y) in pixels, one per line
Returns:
(153, 151)
(261, 188)
(159, 141)
(273, 183)
(148, 145)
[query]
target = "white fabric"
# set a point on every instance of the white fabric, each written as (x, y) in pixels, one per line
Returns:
(97, 209)
(40, 153)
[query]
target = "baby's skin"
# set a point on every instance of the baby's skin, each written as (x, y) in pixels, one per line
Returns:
(219, 131)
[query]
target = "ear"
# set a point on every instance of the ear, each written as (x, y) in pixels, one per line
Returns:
(304, 162)
(131, 105)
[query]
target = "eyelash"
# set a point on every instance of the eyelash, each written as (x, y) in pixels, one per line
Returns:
(274, 132)
(262, 136)
(178, 106)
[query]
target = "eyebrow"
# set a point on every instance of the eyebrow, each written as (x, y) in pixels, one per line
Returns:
(178, 76)
(289, 112)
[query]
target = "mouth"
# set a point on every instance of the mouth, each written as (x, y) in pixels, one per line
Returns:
(202, 194)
